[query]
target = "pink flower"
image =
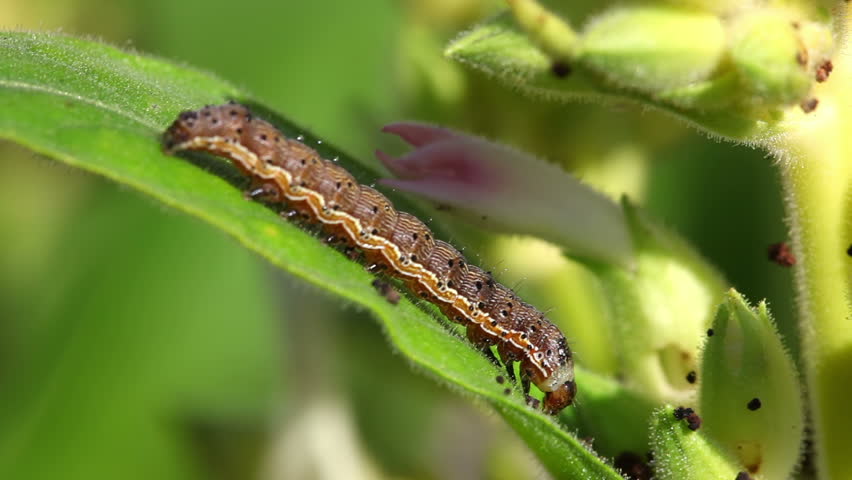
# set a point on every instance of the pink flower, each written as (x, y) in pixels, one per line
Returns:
(508, 191)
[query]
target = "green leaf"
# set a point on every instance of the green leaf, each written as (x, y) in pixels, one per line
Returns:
(103, 110)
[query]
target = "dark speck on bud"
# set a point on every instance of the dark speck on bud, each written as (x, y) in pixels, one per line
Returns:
(754, 404)
(693, 421)
(809, 105)
(824, 71)
(560, 68)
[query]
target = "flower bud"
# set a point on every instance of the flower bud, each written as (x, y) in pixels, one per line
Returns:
(769, 57)
(750, 393)
(507, 190)
(660, 310)
(653, 48)
(732, 69)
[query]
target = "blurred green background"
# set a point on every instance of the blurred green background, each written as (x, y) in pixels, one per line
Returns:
(136, 342)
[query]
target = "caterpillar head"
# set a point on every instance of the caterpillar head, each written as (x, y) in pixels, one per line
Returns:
(563, 393)
(224, 121)
(559, 387)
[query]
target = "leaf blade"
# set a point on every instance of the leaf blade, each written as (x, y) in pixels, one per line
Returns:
(97, 108)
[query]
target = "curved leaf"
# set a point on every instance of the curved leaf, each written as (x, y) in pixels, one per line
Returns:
(103, 110)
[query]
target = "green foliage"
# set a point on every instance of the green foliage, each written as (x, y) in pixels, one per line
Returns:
(758, 74)
(736, 75)
(734, 69)
(103, 110)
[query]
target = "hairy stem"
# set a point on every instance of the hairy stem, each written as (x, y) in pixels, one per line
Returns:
(816, 168)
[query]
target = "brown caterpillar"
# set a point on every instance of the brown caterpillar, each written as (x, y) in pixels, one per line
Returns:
(289, 172)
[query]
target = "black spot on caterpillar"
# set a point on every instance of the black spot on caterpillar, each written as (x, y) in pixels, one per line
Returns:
(287, 171)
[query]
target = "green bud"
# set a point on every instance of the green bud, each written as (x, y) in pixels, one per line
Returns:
(732, 68)
(720, 7)
(660, 310)
(770, 57)
(750, 394)
(653, 48)
(818, 41)
(683, 454)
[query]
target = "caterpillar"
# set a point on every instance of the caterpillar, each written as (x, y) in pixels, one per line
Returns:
(286, 171)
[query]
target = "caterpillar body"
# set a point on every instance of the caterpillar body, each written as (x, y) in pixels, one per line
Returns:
(288, 172)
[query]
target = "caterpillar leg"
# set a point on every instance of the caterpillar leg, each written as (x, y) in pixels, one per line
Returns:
(266, 192)
(510, 372)
(481, 341)
(351, 252)
(386, 290)
(525, 387)
(297, 213)
(376, 267)
(490, 356)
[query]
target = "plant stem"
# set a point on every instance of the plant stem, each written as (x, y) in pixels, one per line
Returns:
(816, 169)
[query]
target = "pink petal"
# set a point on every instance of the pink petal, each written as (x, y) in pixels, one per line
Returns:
(514, 191)
(390, 163)
(442, 191)
(418, 134)
(456, 160)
